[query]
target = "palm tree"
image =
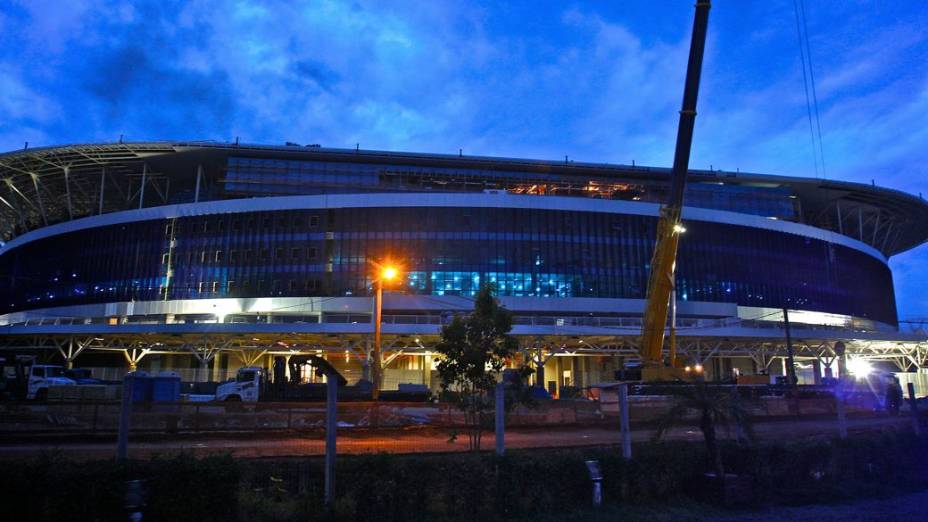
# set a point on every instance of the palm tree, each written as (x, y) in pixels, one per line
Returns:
(715, 408)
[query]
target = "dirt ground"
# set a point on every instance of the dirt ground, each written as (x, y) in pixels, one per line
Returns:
(415, 440)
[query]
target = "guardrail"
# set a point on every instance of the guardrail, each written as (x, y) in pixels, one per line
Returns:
(524, 320)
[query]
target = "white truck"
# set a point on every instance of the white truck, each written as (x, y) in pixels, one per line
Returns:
(42, 377)
(246, 386)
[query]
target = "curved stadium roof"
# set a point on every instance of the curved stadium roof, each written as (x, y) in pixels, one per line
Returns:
(42, 186)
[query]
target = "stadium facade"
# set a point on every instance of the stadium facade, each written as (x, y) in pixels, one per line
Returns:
(194, 255)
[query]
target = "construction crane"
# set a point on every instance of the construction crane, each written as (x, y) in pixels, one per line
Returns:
(669, 225)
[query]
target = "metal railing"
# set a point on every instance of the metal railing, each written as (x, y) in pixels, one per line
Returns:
(522, 320)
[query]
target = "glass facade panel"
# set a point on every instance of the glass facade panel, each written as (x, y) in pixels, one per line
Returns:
(275, 177)
(444, 251)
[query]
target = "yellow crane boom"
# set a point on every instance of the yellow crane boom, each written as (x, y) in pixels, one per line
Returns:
(669, 226)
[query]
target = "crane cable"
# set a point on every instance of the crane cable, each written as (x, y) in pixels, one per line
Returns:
(808, 79)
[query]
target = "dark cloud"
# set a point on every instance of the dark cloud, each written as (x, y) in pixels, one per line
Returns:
(317, 72)
(140, 93)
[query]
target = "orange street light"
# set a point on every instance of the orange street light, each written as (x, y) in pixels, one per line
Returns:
(388, 272)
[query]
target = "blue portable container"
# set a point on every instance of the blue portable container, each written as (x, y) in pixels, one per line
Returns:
(141, 387)
(166, 388)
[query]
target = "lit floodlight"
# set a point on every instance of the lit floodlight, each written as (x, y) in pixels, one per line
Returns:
(698, 368)
(679, 229)
(859, 367)
(389, 273)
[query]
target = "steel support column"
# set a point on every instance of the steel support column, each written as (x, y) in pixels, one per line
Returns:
(142, 188)
(196, 192)
(38, 195)
(67, 191)
(102, 185)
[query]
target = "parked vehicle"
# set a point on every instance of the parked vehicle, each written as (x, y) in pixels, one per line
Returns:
(251, 385)
(42, 377)
(82, 376)
(246, 386)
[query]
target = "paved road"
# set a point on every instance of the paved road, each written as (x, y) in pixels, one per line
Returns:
(418, 440)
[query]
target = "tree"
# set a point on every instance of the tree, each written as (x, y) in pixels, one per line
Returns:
(715, 408)
(475, 349)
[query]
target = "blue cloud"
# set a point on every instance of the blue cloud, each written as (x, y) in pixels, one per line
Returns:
(600, 82)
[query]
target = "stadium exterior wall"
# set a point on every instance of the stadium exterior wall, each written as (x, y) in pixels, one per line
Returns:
(448, 244)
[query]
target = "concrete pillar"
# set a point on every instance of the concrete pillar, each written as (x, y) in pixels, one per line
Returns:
(217, 366)
(427, 370)
(573, 370)
(366, 362)
(203, 371)
(817, 371)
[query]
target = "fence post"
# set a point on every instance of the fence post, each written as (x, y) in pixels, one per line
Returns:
(596, 476)
(842, 420)
(331, 410)
(912, 405)
(500, 418)
(122, 440)
(623, 418)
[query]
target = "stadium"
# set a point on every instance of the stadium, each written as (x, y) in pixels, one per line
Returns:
(203, 257)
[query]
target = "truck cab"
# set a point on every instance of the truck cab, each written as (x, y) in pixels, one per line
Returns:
(41, 377)
(246, 386)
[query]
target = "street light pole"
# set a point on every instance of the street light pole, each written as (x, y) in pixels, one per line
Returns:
(375, 353)
(385, 273)
(791, 364)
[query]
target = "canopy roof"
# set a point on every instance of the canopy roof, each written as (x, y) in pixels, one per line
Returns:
(41, 186)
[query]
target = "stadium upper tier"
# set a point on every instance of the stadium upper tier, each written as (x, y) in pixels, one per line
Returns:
(43, 186)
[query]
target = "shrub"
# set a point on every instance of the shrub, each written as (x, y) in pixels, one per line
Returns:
(524, 484)
(180, 488)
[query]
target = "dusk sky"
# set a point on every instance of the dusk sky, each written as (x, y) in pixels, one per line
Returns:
(598, 81)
